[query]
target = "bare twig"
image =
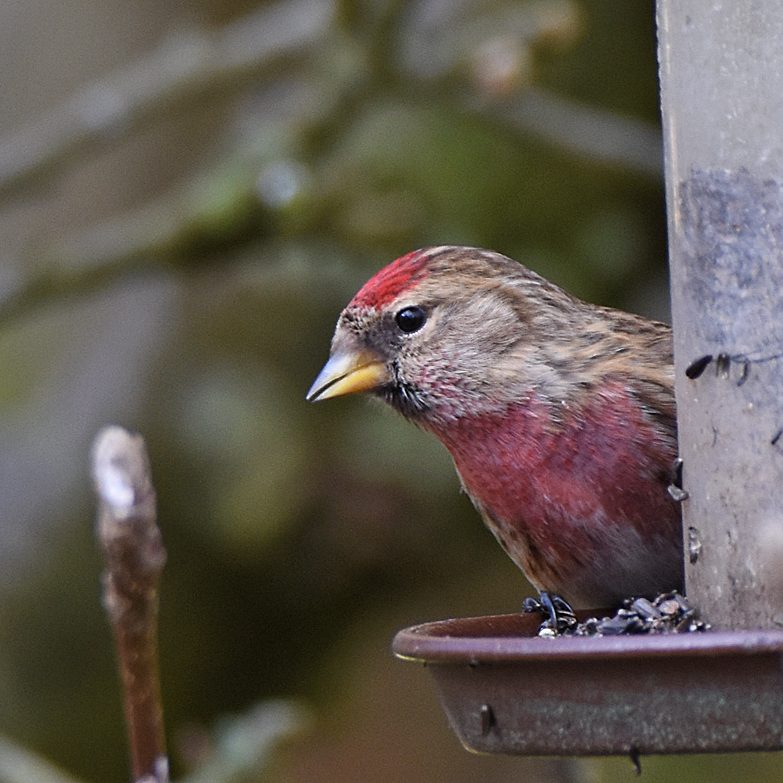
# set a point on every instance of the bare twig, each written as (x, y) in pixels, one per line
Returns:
(187, 70)
(134, 557)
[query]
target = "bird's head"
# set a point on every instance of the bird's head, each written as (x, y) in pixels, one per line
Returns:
(447, 331)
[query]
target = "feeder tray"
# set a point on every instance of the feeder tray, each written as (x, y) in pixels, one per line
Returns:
(505, 690)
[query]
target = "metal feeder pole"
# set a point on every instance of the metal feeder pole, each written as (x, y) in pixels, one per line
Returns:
(721, 69)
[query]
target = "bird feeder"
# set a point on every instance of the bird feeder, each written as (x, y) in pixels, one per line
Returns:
(507, 691)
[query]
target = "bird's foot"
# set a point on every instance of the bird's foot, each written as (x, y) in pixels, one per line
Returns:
(559, 616)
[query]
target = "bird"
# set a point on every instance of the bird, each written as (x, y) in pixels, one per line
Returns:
(559, 414)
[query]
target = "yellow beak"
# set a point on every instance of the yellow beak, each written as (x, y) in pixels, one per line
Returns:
(348, 373)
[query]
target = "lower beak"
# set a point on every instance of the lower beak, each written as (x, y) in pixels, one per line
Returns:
(348, 373)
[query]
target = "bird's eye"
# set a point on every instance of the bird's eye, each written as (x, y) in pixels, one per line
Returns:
(410, 319)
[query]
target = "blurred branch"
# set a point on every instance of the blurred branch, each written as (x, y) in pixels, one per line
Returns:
(18, 765)
(585, 130)
(485, 63)
(217, 209)
(134, 557)
(255, 193)
(185, 71)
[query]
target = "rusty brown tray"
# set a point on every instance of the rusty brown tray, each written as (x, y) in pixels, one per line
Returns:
(507, 691)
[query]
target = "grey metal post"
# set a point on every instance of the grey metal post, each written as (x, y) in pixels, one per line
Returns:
(721, 67)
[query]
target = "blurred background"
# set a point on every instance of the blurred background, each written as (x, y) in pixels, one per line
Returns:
(189, 194)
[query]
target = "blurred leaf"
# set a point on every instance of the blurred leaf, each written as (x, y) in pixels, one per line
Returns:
(243, 744)
(18, 765)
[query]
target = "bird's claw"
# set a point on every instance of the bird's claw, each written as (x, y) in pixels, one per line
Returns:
(558, 614)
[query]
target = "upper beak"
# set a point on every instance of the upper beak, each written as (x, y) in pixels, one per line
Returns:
(348, 372)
